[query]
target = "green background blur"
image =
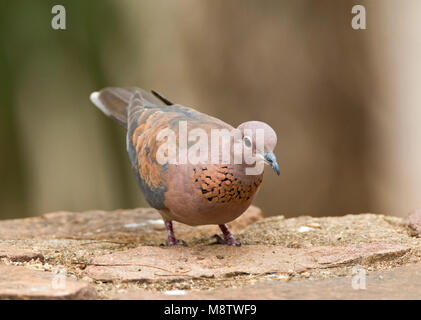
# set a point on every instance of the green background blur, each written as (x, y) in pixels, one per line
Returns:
(345, 103)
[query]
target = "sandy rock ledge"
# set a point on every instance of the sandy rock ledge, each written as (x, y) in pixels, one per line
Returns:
(117, 255)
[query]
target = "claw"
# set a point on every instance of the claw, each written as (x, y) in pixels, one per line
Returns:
(172, 241)
(221, 240)
(228, 238)
(177, 243)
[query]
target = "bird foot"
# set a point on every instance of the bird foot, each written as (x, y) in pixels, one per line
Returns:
(177, 243)
(230, 241)
(174, 243)
(228, 238)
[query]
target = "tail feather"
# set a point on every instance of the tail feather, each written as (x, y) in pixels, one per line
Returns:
(114, 102)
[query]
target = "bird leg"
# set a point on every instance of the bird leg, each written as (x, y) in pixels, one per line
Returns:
(228, 237)
(172, 241)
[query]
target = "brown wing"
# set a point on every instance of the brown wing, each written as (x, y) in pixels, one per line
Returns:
(145, 121)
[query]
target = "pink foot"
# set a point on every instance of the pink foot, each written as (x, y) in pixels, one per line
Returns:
(172, 241)
(228, 237)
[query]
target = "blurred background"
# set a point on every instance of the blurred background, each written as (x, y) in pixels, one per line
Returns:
(346, 104)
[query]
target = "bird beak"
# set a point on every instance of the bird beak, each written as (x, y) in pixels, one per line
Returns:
(270, 159)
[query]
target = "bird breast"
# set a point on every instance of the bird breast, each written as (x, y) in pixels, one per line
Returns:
(210, 193)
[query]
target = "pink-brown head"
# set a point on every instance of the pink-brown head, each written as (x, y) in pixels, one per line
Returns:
(261, 139)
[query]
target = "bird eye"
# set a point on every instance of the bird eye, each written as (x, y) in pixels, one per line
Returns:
(247, 142)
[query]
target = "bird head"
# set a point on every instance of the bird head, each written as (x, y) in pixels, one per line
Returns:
(260, 139)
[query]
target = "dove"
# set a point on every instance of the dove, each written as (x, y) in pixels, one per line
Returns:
(191, 192)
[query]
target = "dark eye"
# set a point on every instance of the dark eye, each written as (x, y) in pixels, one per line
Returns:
(247, 142)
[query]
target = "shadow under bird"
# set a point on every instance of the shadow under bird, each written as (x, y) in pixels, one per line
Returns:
(191, 193)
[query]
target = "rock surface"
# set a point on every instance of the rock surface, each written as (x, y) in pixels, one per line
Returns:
(113, 255)
(178, 263)
(305, 231)
(9, 252)
(138, 225)
(413, 222)
(378, 285)
(18, 282)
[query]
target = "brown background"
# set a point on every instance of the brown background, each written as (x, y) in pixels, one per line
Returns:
(345, 103)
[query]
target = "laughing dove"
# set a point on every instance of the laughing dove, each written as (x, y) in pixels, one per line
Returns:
(206, 190)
